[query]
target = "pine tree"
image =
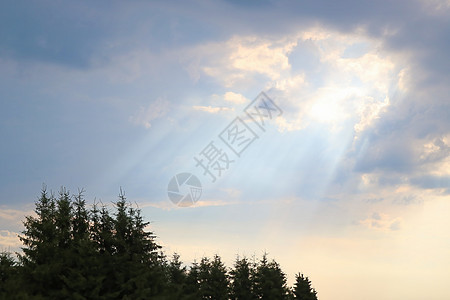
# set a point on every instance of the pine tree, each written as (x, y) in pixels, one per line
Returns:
(241, 286)
(10, 281)
(7, 268)
(63, 220)
(59, 258)
(62, 263)
(270, 281)
(302, 288)
(135, 270)
(213, 279)
(176, 277)
(218, 279)
(39, 236)
(192, 287)
(40, 239)
(71, 252)
(205, 289)
(81, 219)
(82, 279)
(101, 235)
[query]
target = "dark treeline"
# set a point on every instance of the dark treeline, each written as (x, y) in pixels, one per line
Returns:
(72, 252)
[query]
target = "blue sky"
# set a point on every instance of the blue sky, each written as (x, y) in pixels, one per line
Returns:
(350, 185)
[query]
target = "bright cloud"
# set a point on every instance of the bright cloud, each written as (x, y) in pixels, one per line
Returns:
(236, 60)
(9, 240)
(235, 98)
(210, 109)
(253, 54)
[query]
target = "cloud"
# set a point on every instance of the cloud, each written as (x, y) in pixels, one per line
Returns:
(211, 109)
(431, 182)
(381, 222)
(436, 154)
(12, 218)
(13, 214)
(353, 79)
(235, 98)
(206, 203)
(9, 240)
(167, 205)
(36, 32)
(236, 61)
(396, 74)
(154, 110)
(405, 141)
(253, 54)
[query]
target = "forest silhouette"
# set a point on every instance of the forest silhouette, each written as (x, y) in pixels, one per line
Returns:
(71, 251)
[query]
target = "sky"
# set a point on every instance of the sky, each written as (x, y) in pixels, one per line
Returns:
(347, 182)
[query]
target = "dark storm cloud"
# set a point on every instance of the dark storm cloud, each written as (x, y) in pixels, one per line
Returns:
(83, 33)
(346, 15)
(74, 33)
(65, 33)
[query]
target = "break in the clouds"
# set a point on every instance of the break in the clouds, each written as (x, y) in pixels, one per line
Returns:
(354, 175)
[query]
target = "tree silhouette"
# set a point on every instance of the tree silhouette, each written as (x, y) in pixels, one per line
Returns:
(242, 285)
(270, 281)
(192, 288)
(302, 288)
(72, 252)
(176, 278)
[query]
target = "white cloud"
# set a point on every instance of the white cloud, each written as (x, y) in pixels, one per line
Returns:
(289, 83)
(351, 83)
(235, 62)
(267, 57)
(404, 80)
(9, 240)
(355, 81)
(211, 109)
(217, 202)
(13, 214)
(12, 218)
(235, 98)
(369, 112)
(437, 153)
(361, 83)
